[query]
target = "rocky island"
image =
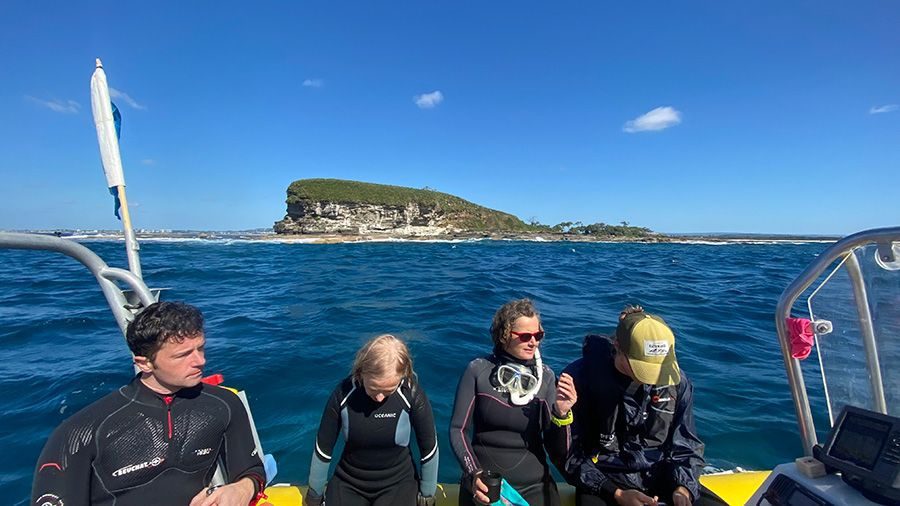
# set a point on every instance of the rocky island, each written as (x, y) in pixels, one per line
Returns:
(333, 206)
(343, 209)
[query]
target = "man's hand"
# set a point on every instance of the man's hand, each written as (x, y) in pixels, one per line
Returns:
(236, 494)
(681, 497)
(479, 491)
(631, 497)
(566, 396)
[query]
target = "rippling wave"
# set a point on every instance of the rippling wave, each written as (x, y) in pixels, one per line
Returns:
(283, 322)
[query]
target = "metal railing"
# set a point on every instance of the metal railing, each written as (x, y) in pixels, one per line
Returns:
(840, 250)
(105, 275)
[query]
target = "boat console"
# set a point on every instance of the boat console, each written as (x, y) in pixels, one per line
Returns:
(862, 460)
(864, 447)
(853, 312)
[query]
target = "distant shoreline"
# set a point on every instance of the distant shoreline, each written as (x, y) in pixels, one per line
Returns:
(269, 236)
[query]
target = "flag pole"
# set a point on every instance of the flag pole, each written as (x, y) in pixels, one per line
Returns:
(112, 160)
(131, 245)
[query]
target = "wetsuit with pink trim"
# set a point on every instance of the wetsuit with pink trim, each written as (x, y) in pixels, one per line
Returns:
(138, 447)
(488, 432)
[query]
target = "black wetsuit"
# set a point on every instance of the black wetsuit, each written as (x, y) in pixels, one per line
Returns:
(627, 435)
(376, 466)
(137, 447)
(506, 438)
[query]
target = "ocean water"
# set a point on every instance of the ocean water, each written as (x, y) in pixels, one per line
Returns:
(284, 320)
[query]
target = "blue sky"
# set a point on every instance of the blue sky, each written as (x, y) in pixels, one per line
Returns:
(715, 116)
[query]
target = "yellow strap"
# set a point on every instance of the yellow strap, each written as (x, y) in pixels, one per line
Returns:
(562, 422)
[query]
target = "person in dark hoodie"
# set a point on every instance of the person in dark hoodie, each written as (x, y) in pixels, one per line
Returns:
(510, 402)
(633, 436)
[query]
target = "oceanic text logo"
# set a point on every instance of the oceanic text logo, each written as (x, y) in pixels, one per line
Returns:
(203, 451)
(385, 415)
(135, 467)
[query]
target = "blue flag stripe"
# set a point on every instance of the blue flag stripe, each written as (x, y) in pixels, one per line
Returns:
(117, 119)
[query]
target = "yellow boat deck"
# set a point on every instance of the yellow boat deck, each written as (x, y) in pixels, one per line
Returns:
(733, 488)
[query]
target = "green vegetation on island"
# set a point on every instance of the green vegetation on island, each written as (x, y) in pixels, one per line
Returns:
(601, 229)
(458, 213)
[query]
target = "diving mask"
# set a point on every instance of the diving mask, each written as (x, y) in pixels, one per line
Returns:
(519, 381)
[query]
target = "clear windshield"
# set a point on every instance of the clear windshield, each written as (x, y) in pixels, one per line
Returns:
(857, 328)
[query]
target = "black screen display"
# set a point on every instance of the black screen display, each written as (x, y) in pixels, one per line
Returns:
(860, 440)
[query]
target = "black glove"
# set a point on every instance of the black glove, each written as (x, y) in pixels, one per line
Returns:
(312, 498)
(422, 500)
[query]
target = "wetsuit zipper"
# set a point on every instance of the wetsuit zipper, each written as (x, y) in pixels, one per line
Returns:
(168, 400)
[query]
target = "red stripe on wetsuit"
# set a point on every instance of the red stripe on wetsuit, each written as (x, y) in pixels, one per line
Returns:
(168, 400)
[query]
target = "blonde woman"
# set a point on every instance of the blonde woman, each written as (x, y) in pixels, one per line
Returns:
(376, 409)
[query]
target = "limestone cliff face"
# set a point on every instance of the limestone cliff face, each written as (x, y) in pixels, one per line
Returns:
(327, 217)
(334, 206)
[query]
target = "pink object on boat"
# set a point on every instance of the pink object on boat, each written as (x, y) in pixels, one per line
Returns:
(801, 332)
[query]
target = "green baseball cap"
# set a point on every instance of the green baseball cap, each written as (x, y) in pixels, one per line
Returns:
(649, 345)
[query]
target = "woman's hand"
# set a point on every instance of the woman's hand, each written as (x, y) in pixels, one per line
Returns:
(479, 491)
(311, 498)
(566, 396)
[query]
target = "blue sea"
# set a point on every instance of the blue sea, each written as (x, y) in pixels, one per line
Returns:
(284, 320)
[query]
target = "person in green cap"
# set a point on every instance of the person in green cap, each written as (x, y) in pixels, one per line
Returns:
(633, 436)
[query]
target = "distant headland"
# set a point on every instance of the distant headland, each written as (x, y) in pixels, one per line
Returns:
(326, 211)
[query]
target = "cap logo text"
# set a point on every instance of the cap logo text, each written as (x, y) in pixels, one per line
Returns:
(656, 348)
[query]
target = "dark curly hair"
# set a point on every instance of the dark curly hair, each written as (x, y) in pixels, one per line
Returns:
(161, 322)
(506, 316)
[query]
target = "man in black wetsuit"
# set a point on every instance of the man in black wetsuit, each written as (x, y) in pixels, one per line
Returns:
(156, 440)
(633, 436)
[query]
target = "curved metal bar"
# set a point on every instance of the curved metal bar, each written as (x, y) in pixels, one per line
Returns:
(104, 274)
(132, 280)
(868, 333)
(790, 295)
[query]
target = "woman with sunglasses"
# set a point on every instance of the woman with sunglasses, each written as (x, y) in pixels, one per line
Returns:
(376, 409)
(510, 402)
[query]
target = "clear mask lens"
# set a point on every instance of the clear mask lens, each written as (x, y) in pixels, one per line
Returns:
(516, 378)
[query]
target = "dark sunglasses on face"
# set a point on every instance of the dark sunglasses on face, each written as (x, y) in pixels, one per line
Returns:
(526, 336)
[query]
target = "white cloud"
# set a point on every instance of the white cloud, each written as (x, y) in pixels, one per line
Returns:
(429, 100)
(116, 94)
(313, 83)
(881, 109)
(55, 105)
(657, 119)
(148, 161)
